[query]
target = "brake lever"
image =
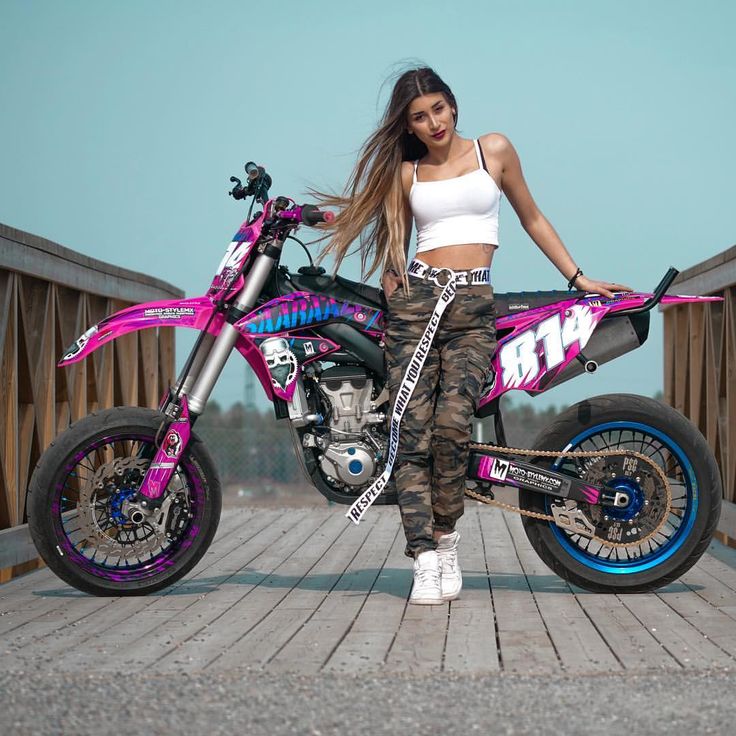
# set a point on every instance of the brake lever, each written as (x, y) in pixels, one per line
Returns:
(237, 191)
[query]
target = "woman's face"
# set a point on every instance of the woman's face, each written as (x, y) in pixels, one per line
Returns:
(430, 118)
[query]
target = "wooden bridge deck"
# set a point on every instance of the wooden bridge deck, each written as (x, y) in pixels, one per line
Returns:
(303, 590)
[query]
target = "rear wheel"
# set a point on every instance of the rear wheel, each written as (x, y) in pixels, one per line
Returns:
(82, 515)
(628, 422)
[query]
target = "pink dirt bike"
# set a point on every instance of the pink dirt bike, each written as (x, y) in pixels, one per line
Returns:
(621, 493)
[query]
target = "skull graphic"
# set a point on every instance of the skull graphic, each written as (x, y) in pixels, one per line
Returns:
(281, 362)
(172, 444)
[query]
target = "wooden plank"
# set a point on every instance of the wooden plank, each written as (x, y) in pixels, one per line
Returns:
(709, 276)
(420, 640)
(683, 641)
(524, 641)
(634, 646)
(309, 649)
(711, 622)
(711, 590)
(100, 647)
(719, 570)
(366, 644)
(64, 612)
(578, 644)
(23, 596)
(153, 632)
(28, 606)
(335, 599)
(42, 258)
(471, 632)
(289, 596)
(36, 579)
(97, 621)
(31, 622)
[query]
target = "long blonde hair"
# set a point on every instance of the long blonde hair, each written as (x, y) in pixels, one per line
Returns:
(371, 208)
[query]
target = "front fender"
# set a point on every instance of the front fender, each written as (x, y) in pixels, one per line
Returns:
(193, 313)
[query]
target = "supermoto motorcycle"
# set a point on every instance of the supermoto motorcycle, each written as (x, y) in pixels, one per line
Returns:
(620, 493)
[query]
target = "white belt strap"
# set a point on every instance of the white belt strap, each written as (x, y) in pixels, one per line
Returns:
(406, 389)
(475, 276)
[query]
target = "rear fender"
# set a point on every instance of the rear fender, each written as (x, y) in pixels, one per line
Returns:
(540, 343)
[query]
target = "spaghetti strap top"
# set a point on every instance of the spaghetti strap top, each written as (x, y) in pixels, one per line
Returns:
(463, 209)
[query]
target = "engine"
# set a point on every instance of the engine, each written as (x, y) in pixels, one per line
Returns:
(351, 440)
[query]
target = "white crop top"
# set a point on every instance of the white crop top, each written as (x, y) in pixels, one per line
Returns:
(454, 211)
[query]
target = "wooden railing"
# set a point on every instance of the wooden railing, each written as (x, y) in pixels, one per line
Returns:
(700, 365)
(49, 295)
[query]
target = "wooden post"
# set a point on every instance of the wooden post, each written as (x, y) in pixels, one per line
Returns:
(700, 366)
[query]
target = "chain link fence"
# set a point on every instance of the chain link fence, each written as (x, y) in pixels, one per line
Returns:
(256, 461)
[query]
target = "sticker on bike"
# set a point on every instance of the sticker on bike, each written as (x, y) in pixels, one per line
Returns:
(520, 357)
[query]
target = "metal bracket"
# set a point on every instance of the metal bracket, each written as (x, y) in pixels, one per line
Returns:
(572, 520)
(617, 499)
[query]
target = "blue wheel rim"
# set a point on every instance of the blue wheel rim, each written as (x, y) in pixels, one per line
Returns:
(655, 557)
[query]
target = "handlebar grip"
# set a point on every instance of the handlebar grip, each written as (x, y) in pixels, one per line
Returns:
(312, 215)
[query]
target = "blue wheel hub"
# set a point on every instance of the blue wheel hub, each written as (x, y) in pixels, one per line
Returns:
(633, 490)
(116, 504)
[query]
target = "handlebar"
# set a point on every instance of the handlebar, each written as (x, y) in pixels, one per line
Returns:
(311, 215)
(307, 214)
(258, 184)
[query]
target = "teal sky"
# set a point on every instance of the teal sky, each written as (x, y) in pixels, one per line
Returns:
(122, 122)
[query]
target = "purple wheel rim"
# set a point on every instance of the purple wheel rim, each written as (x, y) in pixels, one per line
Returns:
(154, 565)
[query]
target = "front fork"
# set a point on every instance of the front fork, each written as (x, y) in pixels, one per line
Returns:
(195, 387)
(171, 442)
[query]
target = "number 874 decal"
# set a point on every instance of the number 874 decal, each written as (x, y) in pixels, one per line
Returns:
(548, 344)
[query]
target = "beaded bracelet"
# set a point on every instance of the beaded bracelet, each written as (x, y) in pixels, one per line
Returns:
(572, 281)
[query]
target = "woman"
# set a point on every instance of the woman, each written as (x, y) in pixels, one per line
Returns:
(417, 165)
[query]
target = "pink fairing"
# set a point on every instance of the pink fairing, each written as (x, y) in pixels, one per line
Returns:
(544, 340)
(291, 317)
(228, 279)
(193, 313)
(303, 309)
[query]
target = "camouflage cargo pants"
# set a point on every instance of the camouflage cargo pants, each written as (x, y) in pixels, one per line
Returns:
(435, 431)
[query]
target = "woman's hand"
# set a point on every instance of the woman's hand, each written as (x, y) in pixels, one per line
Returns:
(390, 281)
(605, 288)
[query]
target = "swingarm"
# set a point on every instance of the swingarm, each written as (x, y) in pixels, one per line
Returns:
(493, 468)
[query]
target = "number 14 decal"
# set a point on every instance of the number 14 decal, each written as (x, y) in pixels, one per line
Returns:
(520, 357)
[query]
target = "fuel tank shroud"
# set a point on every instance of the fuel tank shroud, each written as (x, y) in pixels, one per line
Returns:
(304, 309)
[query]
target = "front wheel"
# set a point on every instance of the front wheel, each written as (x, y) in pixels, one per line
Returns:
(646, 426)
(79, 506)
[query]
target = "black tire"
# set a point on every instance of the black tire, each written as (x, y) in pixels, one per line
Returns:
(631, 422)
(61, 495)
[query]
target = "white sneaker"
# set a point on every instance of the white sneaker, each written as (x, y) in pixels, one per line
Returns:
(451, 575)
(426, 590)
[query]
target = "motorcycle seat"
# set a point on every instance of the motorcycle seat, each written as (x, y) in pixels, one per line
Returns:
(507, 303)
(513, 302)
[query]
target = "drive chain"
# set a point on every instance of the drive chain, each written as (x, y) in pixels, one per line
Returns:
(576, 453)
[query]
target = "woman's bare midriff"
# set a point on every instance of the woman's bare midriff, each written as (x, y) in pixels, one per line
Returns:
(459, 257)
